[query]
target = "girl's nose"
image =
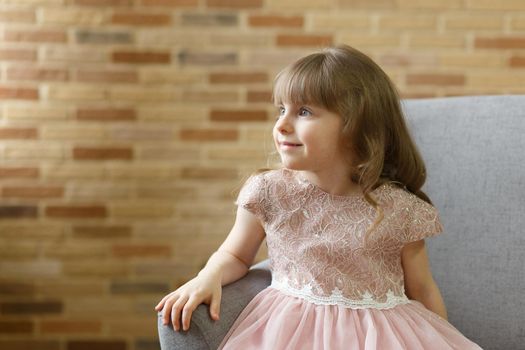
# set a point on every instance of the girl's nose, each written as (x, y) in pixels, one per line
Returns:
(283, 125)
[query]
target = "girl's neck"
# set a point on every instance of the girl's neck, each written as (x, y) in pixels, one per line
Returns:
(336, 183)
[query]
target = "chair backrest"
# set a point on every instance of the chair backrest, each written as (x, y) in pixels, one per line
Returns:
(474, 149)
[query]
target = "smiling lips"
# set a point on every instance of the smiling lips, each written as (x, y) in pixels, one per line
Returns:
(290, 144)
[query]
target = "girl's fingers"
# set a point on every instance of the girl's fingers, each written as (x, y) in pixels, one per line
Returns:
(167, 309)
(215, 306)
(176, 311)
(187, 311)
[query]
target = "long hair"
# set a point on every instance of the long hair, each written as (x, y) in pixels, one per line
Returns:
(347, 82)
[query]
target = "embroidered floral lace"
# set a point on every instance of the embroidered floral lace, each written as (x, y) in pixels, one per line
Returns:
(317, 244)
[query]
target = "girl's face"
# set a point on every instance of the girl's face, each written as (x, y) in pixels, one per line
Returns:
(309, 138)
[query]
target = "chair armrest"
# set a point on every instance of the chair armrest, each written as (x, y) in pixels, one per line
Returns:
(204, 333)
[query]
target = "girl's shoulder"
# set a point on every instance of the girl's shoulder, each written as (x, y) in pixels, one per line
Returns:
(396, 197)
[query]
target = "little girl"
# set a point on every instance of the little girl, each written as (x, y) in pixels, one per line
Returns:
(344, 219)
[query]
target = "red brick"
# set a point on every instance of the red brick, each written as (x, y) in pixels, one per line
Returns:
(259, 96)
(141, 57)
(209, 135)
(500, 43)
(208, 173)
(18, 55)
(141, 250)
(238, 115)
(32, 192)
(107, 76)
(138, 19)
(304, 40)
(12, 288)
(276, 21)
(96, 344)
(19, 172)
(102, 232)
(31, 308)
(517, 61)
(18, 133)
(29, 73)
(18, 93)
(436, 79)
(86, 153)
(171, 3)
(109, 115)
(69, 326)
(95, 211)
(16, 327)
(236, 4)
(18, 211)
(30, 344)
(35, 36)
(238, 78)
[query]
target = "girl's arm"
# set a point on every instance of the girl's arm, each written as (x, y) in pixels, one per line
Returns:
(419, 284)
(229, 263)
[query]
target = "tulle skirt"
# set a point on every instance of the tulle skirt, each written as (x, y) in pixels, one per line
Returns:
(276, 321)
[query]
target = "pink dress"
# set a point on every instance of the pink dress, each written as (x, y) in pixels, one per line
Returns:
(333, 287)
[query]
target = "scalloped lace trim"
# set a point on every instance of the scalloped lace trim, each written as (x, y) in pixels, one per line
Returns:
(337, 298)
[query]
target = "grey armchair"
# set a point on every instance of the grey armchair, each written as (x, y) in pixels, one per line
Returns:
(474, 148)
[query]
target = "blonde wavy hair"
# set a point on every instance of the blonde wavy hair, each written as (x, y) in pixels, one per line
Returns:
(345, 81)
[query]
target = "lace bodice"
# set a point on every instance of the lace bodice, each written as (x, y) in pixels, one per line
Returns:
(317, 245)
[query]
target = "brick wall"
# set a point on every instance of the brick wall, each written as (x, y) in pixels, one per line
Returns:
(126, 126)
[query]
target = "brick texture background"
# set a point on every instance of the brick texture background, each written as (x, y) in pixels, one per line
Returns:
(127, 126)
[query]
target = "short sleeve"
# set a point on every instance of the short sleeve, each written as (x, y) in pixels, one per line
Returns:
(251, 197)
(422, 220)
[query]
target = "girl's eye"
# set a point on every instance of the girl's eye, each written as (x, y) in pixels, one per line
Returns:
(281, 110)
(304, 112)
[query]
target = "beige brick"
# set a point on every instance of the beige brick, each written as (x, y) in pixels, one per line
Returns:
(36, 192)
(341, 21)
(36, 113)
(177, 113)
(373, 41)
(75, 92)
(407, 60)
(35, 269)
(501, 5)
(497, 79)
(166, 191)
(18, 251)
(143, 94)
(141, 250)
(170, 153)
(164, 76)
(436, 41)
(59, 288)
(471, 22)
(303, 40)
(236, 154)
(142, 210)
(138, 172)
(32, 231)
(99, 191)
(470, 60)
(76, 250)
(71, 171)
(279, 5)
(169, 38)
(102, 306)
(72, 54)
(17, 16)
(276, 21)
(518, 23)
(273, 58)
(412, 22)
(240, 40)
(54, 132)
(73, 16)
(141, 133)
(430, 4)
(98, 269)
(214, 96)
(29, 150)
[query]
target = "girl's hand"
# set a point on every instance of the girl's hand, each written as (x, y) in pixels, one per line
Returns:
(205, 288)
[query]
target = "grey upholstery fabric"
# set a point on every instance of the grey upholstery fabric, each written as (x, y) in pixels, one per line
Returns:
(474, 148)
(205, 333)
